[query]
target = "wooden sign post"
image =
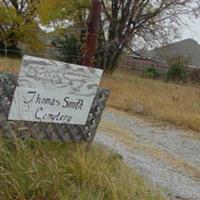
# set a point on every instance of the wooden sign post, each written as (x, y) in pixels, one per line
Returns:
(92, 33)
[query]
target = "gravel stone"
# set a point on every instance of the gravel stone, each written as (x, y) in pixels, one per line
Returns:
(173, 182)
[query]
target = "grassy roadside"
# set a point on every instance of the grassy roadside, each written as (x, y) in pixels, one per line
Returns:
(177, 104)
(56, 171)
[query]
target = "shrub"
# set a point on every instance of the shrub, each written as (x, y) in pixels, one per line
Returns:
(177, 68)
(151, 73)
(177, 71)
(69, 48)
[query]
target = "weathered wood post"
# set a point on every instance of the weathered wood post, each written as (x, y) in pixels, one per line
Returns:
(91, 40)
(92, 34)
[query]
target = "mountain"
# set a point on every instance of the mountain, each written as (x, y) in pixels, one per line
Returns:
(188, 49)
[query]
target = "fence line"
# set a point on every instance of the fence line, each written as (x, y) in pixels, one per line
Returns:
(140, 64)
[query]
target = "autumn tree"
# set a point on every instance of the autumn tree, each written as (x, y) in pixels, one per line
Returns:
(124, 21)
(68, 20)
(64, 15)
(21, 20)
(73, 12)
(18, 23)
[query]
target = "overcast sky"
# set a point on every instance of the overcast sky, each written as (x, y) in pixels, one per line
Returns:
(192, 30)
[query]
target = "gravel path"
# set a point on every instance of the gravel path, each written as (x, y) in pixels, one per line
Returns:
(165, 155)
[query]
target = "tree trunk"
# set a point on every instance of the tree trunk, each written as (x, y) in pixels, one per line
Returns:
(108, 55)
(110, 61)
(110, 49)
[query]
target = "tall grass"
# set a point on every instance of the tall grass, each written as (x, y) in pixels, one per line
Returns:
(55, 171)
(9, 64)
(178, 104)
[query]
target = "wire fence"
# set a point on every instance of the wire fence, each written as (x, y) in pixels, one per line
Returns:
(52, 54)
(63, 51)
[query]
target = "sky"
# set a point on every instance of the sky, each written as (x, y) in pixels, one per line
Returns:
(192, 30)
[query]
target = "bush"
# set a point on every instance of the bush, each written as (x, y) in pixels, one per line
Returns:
(177, 71)
(151, 73)
(70, 49)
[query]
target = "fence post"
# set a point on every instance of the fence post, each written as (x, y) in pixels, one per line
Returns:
(92, 33)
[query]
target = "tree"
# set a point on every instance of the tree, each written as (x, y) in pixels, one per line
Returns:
(68, 19)
(72, 12)
(18, 23)
(126, 20)
(21, 20)
(69, 48)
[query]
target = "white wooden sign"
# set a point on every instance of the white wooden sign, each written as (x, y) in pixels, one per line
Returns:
(52, 91)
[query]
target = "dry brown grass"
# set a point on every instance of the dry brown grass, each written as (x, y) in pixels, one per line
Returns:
(169, 102)
(10, 65)
(56, 171)
(178, 104)
(113, 130)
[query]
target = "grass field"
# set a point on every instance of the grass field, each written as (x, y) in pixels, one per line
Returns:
(56, 171)
(9, 65)
(177, 104)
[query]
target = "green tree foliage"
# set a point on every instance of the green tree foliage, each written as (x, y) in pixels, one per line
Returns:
(69, 48)
(151, 72)
(68, 19)
(176, 71)
(73, 12)
(20, 20)
(18, 23)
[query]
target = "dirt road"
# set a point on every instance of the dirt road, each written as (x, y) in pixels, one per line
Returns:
(168, 157)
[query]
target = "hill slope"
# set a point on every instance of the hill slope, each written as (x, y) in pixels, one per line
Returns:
(188, 49)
